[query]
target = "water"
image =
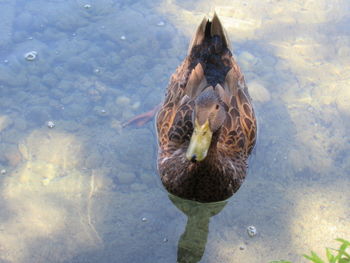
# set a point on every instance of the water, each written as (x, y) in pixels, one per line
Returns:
(87, 190)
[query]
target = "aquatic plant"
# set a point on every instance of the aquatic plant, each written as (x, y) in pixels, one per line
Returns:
(341, 257)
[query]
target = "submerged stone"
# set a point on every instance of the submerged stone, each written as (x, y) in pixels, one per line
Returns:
(51, 124)
(31, 56)
(122, 101)
(126, 177)
(258, 91)
(251, 230)
(5, 122)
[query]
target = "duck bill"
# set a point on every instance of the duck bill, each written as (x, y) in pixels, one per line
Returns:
(199, 143)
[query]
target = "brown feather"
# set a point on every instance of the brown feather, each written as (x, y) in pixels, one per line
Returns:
(209, 67)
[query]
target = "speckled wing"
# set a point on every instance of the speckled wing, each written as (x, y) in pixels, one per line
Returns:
(174, 107)
(239, 130)
(182, 126)
(174, 120)
(247, 116)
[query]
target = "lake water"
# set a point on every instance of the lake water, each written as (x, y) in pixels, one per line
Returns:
(87, 190)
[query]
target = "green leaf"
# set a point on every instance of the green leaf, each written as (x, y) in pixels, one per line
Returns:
(343, 241)
(314, 258)
(330, 256)
(341, 251)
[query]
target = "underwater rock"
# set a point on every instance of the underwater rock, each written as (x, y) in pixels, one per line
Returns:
(30, 56)
(50, 79)
(12, 155)
(69, 125)
(147, 80)
(136, 105)
(126, 177)
(13, 77)
(258, 92)
(76, 110)
(64, 85)
(127, 114)
(147, 178)
(129, 70)
(5, 122)
(3, 171)
(94, 94)
(50, 124)
(100, 111)
(138, 187)
(94, 160)
(8, 16)
(37, 115)
(90, 120)
(116, 125)
(143, 142)
(251, 230)
(343, 100)
(246, 60)
(122, 101)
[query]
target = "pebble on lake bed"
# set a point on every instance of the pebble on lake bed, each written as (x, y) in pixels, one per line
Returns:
(122, 101)
(3, 171)
(251, 230)
(5, 122)
(258, 91)
(30, 56)
(51, 124)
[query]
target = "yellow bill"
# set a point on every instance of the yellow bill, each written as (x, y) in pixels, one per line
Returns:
(200, 142)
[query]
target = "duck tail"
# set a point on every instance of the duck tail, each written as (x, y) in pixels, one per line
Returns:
(210, 48)
(209, 31)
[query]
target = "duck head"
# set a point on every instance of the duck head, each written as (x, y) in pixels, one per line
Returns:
(208, 117)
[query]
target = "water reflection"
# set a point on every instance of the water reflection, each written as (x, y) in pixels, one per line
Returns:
(192, 242)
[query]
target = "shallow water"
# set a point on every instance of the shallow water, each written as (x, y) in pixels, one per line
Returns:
(87, 190)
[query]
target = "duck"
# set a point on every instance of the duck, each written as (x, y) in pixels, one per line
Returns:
(206, 126)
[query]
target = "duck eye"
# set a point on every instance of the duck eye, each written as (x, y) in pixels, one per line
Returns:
(217, 106)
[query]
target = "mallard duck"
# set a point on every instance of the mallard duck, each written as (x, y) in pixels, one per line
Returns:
(206, 125)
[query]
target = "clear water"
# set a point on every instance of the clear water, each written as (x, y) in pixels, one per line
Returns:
(87, 189)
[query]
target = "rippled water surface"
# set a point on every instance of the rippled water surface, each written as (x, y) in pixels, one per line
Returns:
(87, 189)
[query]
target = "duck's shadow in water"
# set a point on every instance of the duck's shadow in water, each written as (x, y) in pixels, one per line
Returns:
(192, 242)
